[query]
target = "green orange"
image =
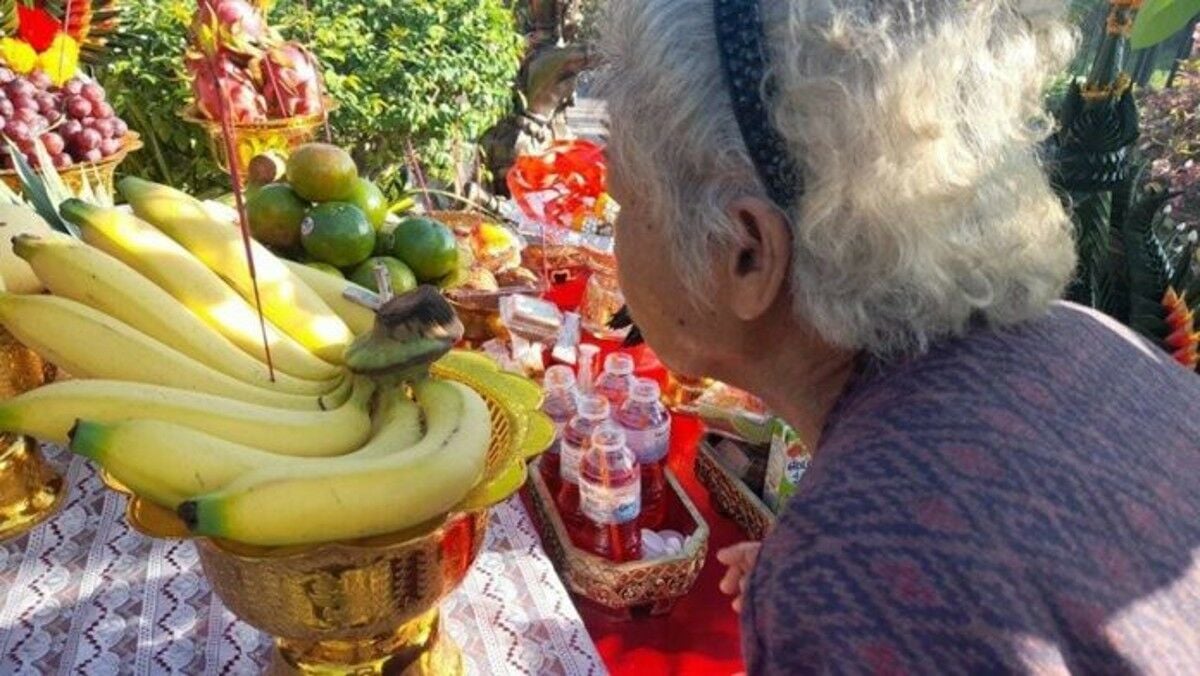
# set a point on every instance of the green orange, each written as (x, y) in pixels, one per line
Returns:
(368, 197)
(337, 233)
(402, 277)
(426, 246)
(275, 213)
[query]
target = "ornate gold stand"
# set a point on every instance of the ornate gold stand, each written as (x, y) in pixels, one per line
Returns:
(370, 606)
(30, 490)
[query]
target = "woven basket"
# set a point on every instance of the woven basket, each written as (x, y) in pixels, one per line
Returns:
(102, 172)
(731, 496)
(633, 588)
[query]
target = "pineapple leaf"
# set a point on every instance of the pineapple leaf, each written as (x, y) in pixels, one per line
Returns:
(37, 194)
(1090, 214)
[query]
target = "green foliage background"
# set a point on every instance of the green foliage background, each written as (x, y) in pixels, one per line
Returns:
(438, 72)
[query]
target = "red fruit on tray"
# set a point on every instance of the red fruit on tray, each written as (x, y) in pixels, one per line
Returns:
(46, 103)
(103, 111)
(54, 143)
(87, 140)
(63, 161)
(71, 128)
(79, 107)
(40, 80)
(121, 128)
(110, 147)
(74, 87)
(6, 75)
(107, 128)
(93, 92)
(17, 131)
(54, 117)
(93, 155)
(26, 115)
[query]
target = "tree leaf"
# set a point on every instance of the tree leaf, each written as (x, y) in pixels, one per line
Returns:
(1158, 20)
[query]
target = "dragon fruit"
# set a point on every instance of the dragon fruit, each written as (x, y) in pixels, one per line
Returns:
(230, 25)
(289, 79)
(246, 104)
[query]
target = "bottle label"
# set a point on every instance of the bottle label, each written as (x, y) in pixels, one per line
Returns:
(649, 445)
(611, 504)
(569, 457)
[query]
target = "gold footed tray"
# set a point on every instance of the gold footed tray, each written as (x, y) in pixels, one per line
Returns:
(732, 497)
(370, 606)
(634, 588)
(30, 490)
(100, 173)
(256, 138)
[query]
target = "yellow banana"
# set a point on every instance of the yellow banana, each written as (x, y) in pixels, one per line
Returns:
(49, 412)
(317, 502)
(170, 266)
(71, 269)
(168, 463)
(89, 344)
(286, 301)
(330, 288)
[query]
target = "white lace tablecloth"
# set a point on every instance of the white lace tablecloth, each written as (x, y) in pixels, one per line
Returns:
(84, 594)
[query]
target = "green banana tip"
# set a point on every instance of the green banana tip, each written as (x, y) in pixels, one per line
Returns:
(75, 210)
(200, 515)
(87, 438)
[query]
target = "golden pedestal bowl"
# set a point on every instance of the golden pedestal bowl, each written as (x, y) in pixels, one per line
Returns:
(370, 606)
(30, 490)
(255, 138)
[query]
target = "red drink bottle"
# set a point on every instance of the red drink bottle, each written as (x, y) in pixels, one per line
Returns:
(616, 381)
(593, 412)
(647, 426)
(610, 489)
(559, 404)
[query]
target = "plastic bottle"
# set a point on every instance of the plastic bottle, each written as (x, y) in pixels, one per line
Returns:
(610, 488)
(593, 412)
(647, 426)
(559, 404)
(617, 379)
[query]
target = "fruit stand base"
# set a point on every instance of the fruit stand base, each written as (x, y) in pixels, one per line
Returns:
(419, 648)
(30, 490)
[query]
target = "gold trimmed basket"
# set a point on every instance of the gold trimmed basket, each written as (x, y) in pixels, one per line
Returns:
(256, 138)
(370, 606)
(731, 496)
(100, 173)
(634, 588)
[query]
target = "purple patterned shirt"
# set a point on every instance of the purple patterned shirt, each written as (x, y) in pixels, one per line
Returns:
(1022, 500)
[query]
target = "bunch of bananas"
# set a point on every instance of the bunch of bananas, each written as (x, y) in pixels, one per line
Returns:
(154, 315)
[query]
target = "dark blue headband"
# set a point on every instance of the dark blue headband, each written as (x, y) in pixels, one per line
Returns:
(742, 42)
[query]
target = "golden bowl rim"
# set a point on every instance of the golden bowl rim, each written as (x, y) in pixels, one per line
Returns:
(191, 113)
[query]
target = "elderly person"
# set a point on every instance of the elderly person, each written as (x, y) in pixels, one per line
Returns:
(838, 206)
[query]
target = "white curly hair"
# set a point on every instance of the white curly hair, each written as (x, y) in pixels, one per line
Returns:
(917, 125)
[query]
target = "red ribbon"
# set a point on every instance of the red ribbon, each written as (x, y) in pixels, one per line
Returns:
(571, 175)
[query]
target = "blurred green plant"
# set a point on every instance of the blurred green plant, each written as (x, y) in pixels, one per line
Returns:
(436, 73)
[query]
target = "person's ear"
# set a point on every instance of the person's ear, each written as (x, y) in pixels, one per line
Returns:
(756, 268)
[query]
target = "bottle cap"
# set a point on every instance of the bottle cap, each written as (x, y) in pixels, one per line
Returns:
(558, 378)
(645, 391)
(593, 407)
(608, 438)
(618, 364)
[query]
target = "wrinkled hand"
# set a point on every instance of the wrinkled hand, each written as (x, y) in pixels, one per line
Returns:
(740, 558)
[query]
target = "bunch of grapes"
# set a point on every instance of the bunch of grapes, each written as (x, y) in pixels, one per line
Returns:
(74, 122)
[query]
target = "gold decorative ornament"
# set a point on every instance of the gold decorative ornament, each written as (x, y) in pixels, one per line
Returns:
(732, 497)
(370, 606)
(30, 490)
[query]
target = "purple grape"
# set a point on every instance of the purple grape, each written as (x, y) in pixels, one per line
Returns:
(79, 107)
(104, 111)
(26, 115)
(88, 139)
(74, 87)
(7, 108)
(6, 76)
(21, 87)
(3, 122)
(46, 103)
(54, 117)
(63, 161)
(17, 131)
(71, 128)
(88, 122)
(121, 128)
(93, 155)
(54, 143)
(110, 147)
(23, 102)
(40, 79)
(93, 92)
(107, 128)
